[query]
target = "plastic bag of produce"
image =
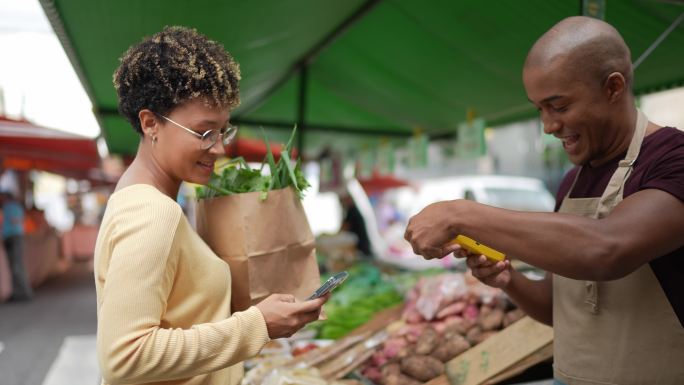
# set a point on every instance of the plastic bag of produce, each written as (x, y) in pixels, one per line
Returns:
(437, 291)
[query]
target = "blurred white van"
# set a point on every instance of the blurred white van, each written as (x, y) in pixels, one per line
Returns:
(509, 192)
(386, 231)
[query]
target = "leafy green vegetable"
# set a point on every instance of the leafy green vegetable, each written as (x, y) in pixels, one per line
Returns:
(237, 177)
(356, 301)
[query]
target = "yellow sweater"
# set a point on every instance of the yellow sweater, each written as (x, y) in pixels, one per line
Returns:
(163, 299)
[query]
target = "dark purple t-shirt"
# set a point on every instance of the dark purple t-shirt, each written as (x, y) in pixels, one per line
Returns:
(660, 165)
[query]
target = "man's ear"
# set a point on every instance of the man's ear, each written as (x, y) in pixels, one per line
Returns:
(615, 86)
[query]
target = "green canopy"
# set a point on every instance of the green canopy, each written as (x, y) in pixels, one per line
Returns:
(364, 68)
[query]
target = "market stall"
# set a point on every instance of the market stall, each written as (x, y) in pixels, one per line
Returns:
(25, 147)
(445, 325)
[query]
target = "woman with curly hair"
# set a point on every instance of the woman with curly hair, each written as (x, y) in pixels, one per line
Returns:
(163, 296)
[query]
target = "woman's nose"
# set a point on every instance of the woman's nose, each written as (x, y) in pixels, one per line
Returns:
(218, 148)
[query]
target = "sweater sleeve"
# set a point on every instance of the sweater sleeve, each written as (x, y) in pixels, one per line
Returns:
(132, 347)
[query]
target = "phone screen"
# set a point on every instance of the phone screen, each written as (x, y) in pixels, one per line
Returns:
(328, 286)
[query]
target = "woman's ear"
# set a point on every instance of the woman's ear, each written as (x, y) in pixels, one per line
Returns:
(148, 123)
(615, 86)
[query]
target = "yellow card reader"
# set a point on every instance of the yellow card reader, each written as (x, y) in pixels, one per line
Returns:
(476, 247)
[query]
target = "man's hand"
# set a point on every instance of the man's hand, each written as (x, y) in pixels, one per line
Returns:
(491, 273)
(430, 232)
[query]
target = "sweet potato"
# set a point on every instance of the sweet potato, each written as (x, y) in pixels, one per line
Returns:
(410, 313)
(439, 326)
(427, 342)
(471, 312)
(373, 373)
(379, 358)
(451, 348)
(490, 319)
(422, 368)
(413, 317)
(451, 309)
(393, 346)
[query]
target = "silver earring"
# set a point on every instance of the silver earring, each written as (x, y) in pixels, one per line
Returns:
(154, 140)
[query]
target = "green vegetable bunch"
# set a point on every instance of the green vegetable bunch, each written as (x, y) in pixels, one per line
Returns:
(237, 177)
(356, 301)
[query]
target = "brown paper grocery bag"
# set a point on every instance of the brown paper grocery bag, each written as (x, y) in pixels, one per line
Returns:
(268, 244)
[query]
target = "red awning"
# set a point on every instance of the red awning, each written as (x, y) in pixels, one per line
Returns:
(378, 183)
(254, 150)
(25, 146)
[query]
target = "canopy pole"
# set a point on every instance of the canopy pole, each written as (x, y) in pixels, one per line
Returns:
(659, 40)
(301, 108)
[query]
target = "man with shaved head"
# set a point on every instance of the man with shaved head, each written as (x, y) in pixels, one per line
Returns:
(614, 248)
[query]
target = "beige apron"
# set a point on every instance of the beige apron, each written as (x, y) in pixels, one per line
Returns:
(615, 332)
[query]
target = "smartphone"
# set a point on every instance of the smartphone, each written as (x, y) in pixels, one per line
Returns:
(476, 247)
(328, 286)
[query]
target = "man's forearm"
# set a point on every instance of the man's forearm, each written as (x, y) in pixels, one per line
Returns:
(564, 244)
(534, 297)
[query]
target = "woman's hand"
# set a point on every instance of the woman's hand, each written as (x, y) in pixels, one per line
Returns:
(285, 316)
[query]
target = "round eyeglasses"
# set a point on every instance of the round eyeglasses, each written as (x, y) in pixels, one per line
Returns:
(209, 137)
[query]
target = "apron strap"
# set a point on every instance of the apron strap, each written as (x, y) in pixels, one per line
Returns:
(612, 195)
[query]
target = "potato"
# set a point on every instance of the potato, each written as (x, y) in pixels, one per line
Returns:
(400, 379)
(390, 369)
(512, 316)
(473, 335)
(456, 325)
(491, 320)
(451, 348)
(484, 335)
(422, 368)
(427, 342)
(406, 351)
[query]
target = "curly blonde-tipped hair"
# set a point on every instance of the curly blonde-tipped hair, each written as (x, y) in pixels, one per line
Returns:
(171, 67)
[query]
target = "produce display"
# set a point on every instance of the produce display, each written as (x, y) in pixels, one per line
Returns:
(443, 317)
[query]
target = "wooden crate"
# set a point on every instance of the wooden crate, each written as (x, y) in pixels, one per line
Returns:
(504, 355)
